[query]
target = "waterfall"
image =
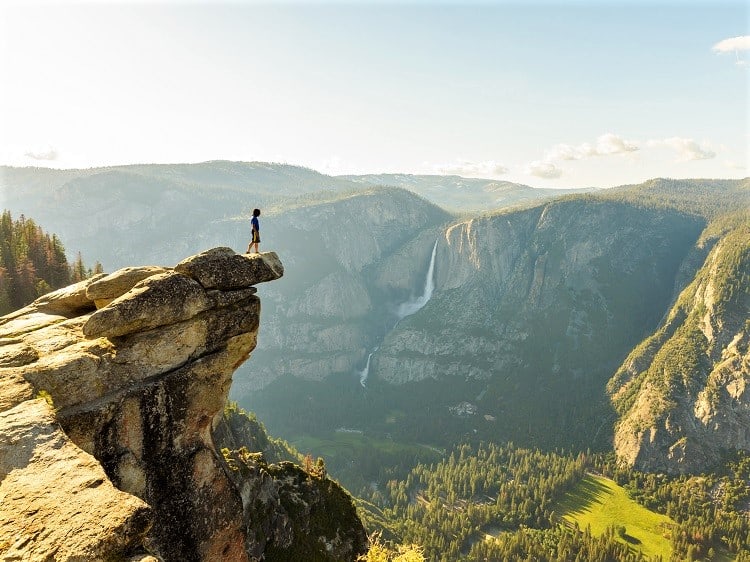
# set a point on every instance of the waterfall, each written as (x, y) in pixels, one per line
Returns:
(407, 309)
(413, 305)
(366, 371)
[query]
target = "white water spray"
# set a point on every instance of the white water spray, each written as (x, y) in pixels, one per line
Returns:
(366, 371)
(413, 305)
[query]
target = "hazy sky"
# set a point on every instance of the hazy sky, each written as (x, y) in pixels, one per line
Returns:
(551, 94)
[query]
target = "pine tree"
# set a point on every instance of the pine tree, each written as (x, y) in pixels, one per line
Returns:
(33, 263)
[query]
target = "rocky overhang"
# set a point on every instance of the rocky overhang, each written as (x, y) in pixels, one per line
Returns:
(110, 393)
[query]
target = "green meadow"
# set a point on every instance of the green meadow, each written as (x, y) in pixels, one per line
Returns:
(601, 503)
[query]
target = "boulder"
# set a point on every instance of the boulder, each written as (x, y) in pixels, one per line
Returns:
(159, 300)
(222, 268)
(68, 300)
(106, 289)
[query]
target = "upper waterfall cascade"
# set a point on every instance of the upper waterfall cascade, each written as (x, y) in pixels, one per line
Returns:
(414, 305)
(408, 308)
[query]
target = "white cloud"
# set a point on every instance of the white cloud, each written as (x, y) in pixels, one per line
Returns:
(733, 44)
(42, 153)
(543, 169)
(606, 145)
(467, 168)
(687, 149)
(609, 143)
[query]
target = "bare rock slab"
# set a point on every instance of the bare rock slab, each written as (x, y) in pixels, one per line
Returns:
(108, 288)
(48, 486)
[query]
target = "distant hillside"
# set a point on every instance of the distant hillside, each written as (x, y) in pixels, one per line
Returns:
(127, 214)
(457, 194)
(222, 178)
(709, 198)
(528, 307)
(532, 306)
(532, 312)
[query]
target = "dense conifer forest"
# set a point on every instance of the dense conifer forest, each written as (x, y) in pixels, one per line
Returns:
(32, 263)
(502, 502)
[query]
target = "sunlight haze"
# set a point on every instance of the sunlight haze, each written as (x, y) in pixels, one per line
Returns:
(549, 94)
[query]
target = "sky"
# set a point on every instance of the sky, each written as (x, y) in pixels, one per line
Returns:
(550, 94)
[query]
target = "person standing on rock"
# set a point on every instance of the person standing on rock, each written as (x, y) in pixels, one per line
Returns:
(255, 224)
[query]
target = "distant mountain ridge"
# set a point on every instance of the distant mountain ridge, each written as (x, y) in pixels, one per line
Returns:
(465, 194)
(534, 307)
(159, 202)
(164, 210)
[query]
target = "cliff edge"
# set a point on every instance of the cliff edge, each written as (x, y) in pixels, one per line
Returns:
(111, 392)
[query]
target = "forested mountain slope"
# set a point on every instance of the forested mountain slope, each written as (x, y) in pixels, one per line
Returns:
(683, 395)
(504, 502)
(709, 198)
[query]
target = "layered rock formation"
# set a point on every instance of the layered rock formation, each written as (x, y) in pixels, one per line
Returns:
(110, 392)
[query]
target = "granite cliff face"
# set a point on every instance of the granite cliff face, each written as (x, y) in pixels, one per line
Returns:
(683, 394)
(111, 395)
(531, 304)
(528, 306)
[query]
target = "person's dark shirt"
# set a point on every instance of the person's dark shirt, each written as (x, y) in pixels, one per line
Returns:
(255, 223)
